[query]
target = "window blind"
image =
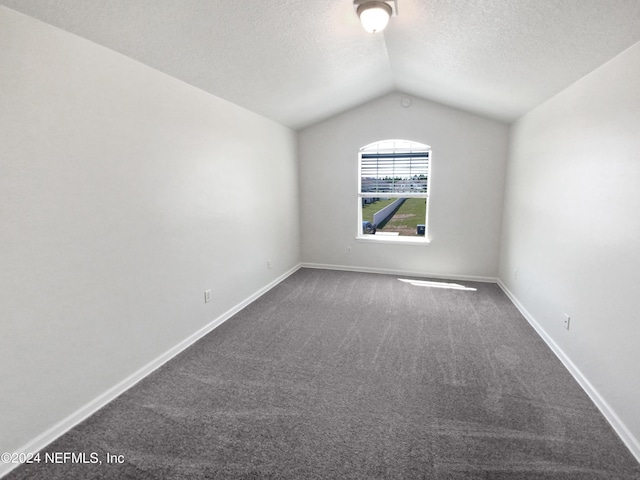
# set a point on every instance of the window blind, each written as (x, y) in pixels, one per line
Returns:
(394, 172)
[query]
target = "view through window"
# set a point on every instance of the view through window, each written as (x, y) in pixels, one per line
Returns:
(393, 189)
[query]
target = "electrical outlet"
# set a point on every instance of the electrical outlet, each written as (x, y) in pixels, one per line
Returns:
(567, 320)
(515, 274)
(269, 264)
(348, 249)
(207, 296)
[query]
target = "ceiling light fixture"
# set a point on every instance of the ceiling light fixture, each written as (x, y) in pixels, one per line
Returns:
(373, 14)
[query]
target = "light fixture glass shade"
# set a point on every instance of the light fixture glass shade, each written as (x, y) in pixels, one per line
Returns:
(374, 16)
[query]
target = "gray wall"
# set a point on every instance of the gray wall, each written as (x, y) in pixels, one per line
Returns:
(466, 191)
(125, 194)
(572, 230)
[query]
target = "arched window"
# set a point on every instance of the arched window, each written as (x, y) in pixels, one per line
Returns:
(393, 190)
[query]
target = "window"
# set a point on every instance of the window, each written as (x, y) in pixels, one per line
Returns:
(393, 191)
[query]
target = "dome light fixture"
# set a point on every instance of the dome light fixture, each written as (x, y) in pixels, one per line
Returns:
(374, 15)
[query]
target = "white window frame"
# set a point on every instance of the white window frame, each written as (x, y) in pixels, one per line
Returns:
(399, 146)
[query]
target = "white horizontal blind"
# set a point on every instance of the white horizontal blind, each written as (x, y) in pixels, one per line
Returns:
(387, 167)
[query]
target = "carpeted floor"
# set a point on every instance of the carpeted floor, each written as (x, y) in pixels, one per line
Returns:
(339, 375)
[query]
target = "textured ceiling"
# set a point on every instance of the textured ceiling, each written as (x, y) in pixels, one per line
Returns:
(299, 61)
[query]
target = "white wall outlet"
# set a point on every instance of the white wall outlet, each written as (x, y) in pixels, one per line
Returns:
(348, 249)
(567, 320)
(207, 296)
(515, 274)
(269, 264)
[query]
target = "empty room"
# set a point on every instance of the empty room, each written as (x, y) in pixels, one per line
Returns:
(347, 239)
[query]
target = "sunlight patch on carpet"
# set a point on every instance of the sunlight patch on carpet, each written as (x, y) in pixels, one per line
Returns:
(425, 283)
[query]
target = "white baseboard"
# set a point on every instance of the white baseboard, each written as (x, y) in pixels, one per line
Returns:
(349, 268)
(92, 407)
(616, 423)
(62, 427)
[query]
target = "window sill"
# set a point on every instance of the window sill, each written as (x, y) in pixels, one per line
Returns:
(393, 239)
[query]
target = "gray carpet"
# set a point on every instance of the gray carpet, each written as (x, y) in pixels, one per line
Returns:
(338, 375)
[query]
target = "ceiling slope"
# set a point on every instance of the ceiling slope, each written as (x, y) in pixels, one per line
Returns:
(300, 61)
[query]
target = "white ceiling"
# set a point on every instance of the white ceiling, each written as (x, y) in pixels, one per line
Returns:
(300, 61)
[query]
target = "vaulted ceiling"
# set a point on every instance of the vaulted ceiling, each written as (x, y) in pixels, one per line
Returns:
(300, 61)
